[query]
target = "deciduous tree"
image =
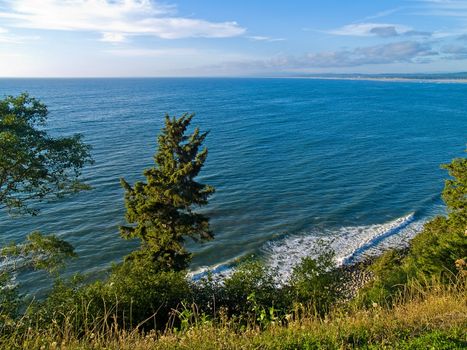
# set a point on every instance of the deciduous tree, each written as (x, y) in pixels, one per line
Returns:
(34, 165)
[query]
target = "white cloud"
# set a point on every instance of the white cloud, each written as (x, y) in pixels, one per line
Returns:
(455, 52)
(264, 38)
(113, 37)
(114, 19)
(375, 29)
(8, 38)
(153, 52)
(406, 51)
(444, 8)
(383, 13)
(397, 52)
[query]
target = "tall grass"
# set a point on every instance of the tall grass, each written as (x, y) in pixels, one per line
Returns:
(423, 316)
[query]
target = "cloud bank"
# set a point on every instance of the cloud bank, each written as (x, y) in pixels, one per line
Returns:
(115, 20)
(377, 29)
(406, 51)
(397, 52)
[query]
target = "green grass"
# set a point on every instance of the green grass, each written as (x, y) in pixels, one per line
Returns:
(433, 318)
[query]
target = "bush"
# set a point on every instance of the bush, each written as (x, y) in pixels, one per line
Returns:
(316, 283)
(250, 293)
(134, 295)
(142, 293)
(10, 302)
(438, 252)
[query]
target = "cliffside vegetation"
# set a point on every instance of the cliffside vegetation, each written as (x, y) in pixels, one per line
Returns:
(415, 300)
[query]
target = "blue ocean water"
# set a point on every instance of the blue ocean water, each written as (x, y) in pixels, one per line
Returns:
(291, 159)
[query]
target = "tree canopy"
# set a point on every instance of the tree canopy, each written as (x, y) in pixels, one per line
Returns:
(46, 252)
(160, 210)
(455, 191)
(34, 165)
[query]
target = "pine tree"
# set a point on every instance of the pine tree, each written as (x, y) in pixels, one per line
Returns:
(160, 210)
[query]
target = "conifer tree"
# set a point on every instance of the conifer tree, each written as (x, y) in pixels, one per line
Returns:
(160, 210)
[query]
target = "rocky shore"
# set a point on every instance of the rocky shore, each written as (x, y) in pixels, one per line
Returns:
(355, 276)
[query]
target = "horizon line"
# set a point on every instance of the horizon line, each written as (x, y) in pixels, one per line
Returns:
(286, 76)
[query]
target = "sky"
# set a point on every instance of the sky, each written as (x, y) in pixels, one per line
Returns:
(165, 38)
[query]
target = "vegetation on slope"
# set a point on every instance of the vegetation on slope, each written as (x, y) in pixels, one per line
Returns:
(416, 299)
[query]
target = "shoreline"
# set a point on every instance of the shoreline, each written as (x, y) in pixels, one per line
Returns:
(356, 276)
(389, 80)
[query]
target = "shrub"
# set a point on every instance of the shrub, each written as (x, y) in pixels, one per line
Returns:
(316, 282)
(249, 289)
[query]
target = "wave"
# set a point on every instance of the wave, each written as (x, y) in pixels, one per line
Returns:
(350, 244)
(376, 234)
(219, 271)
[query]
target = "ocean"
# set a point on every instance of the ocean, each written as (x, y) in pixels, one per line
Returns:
(294, 161)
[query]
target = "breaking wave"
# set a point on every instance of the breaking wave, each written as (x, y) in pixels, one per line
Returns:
(351, 244)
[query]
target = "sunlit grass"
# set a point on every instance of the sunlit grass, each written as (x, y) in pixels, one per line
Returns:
(421, 318)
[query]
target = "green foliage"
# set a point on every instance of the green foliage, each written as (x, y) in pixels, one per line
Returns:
(455, 192)
(150, 290)
(317, 282)
(146, 293)
(434, 320)
(47, 252)
(435, 250)
(64, 303)
(251, 287)
(9, 302)
(446, 237)
(134, 296)
(439, 251)
(389, 277)
(438, 340)
(252, 293)
(34, 165)
(38, 252)
(160, 210)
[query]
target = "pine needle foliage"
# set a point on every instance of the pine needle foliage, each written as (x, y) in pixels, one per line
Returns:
(160, 210)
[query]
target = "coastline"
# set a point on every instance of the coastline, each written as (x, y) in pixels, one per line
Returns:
(356, 276)
(389, 80)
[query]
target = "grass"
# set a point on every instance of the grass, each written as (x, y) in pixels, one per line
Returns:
(431, 318)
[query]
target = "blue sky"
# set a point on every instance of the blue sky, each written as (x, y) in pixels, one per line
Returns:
(83, 38)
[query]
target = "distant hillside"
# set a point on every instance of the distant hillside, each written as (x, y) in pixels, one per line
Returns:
(395, 76)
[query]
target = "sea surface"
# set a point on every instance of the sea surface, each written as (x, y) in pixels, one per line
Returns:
(356, 163)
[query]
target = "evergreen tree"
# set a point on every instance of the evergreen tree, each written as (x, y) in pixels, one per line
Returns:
(160, 210)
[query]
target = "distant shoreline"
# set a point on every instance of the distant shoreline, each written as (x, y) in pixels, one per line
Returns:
(357, 78)
(390, 79)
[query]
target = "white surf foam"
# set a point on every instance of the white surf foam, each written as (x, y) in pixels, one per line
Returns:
(350, 244)
(219, 271)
